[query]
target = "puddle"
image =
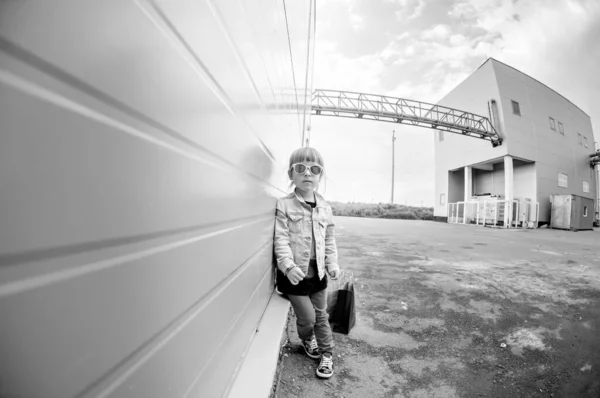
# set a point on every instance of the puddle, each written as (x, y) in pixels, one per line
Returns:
(371, 374)
(416, 366)
(484, 309)
(528, 338)
(547, 252)
(427, 262)
(364, 330)
(411, 323)
(438, 390)
(450, 305)
(586, 325)
(586, 368)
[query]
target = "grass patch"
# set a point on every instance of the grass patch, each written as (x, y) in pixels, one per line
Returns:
(381, 210)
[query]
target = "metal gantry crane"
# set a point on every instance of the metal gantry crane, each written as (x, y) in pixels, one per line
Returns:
(595, 158)
(399, 110)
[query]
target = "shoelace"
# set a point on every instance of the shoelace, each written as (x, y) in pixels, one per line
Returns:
(326, 362)
(313, 345)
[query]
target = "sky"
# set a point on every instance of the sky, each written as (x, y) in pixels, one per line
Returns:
(420, 50)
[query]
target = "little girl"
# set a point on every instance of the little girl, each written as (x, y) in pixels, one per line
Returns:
(304, 249)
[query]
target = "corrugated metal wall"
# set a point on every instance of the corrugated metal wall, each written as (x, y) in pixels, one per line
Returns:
(142, 144)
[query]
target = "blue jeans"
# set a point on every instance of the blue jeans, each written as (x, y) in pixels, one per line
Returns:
(312, 317)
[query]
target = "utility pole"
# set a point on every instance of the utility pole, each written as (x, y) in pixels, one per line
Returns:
(393, 160)
(306, 137)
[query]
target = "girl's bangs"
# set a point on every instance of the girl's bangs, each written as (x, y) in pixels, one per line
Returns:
(306, 155)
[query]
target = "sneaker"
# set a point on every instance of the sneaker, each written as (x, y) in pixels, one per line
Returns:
(311, 348)
(325, 368)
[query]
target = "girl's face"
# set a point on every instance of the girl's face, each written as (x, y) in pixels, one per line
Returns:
(305, 180)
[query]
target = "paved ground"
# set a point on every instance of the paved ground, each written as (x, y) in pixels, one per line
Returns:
(460, 311)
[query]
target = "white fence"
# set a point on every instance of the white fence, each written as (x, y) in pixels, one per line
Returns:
(505, 213)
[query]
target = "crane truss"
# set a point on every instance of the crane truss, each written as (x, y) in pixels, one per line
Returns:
(398, 110)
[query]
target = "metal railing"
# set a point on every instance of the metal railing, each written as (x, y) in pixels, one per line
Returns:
(505, 213)
(399, 110)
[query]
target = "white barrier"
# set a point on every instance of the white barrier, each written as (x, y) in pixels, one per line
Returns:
(505, 213)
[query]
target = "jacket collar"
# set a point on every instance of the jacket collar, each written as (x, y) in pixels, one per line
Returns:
(319, 200)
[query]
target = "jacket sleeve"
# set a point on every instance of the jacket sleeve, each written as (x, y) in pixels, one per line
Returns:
(283, 250)
(331, 255)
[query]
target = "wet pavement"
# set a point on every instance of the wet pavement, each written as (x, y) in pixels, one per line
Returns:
(460, 311)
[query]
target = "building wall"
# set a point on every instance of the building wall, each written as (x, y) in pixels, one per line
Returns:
(493, 182)
(489, 181)
(483, 182)
(524, 182)
(457, 151)
(142, 147)
(530, 136)
(456, 186)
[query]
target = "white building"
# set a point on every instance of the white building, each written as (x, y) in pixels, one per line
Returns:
(546, 145)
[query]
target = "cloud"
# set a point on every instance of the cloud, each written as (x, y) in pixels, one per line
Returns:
(438, 32)
(457, 40)
(339, 72)
(486, 14)
(408, 9)
(429, 62)
(356, 21)
(556, 45)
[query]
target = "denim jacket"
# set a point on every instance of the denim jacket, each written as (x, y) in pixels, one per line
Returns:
(295, 225)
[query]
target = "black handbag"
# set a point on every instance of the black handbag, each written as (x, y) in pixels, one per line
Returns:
(340, 303)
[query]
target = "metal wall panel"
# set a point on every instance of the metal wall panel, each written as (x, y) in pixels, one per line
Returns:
(142, 144)
(531, 137)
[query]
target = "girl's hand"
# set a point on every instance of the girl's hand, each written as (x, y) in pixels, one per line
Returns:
(334, 274)
(295, 275)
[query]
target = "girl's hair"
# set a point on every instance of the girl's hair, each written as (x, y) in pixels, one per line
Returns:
(307, 154)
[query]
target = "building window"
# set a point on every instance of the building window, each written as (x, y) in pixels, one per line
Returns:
(563, 180)
(580, 138)
(442, 199)
(552, 124)
(585, 211)
(586, 187)
(516, 108)
(440, 136)
(560, 128)
(585, 142)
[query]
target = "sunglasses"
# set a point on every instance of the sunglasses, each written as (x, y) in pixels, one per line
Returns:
(300, 168)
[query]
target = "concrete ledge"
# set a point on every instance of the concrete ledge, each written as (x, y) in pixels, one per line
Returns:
(257, 371)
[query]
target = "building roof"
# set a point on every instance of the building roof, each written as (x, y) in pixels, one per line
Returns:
(571, 102)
